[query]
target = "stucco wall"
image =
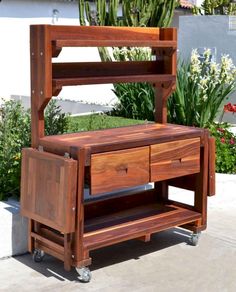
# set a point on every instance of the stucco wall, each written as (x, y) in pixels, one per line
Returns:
(210, 32)
(15, 18)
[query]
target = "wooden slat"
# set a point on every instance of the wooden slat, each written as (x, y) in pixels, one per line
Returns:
(52, 235)
(137, 228)
(58, 248)
(60, 82)
(115, 43)
(118, 170)
(105, 36)
(49, 250)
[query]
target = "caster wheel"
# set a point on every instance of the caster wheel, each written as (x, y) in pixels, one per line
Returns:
(84, 274)
(194, 239)
(38, 255)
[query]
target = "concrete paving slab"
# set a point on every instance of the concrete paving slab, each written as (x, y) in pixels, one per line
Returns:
(167, 263)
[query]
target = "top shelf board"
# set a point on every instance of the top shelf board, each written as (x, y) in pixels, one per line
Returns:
(106, 36)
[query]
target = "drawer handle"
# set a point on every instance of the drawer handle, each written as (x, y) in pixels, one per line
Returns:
(177, 160)
(122, 168)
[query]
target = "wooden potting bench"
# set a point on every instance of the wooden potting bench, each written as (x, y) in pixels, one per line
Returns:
(54, 171)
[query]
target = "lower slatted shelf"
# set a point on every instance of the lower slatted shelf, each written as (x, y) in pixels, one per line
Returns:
(133, 223)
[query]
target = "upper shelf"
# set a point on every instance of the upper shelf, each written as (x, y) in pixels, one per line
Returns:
(47, 41)
(65, 74)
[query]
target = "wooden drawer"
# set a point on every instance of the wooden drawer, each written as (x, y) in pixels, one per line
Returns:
(117, 170)
(174, 159)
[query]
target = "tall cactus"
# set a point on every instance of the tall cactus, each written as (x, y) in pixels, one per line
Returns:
(216, 7)
(135, 12)
(149, 13)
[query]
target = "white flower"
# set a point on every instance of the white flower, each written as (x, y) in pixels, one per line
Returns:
(207, 54)
(195, 57)
(214, 68)
(226, 63)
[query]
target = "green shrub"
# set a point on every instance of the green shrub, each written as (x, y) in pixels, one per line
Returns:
(225, 148)
(14, 135)
(56, 122)
(201, 88)
(136, 100)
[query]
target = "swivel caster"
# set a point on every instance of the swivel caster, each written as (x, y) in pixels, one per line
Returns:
(38, 255)
(84, 274)
(194, 239)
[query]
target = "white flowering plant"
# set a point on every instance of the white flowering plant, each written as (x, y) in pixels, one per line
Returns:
(202, 86)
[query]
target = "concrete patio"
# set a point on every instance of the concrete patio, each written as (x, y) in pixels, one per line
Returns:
(166, 263)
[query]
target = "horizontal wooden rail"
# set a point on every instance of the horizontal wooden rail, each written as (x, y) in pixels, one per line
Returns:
(114, 43)
(58, 83)
(104, 69)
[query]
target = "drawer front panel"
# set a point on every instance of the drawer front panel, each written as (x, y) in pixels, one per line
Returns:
(118, 170)
(174, 159)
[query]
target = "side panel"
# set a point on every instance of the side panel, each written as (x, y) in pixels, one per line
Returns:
(48, 189)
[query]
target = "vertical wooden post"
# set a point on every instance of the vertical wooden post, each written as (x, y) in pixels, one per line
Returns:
(211, 177)
(30, 239)
(200, 198)
(166, 59)
(67, 251)
(79, 249)
(41, 78)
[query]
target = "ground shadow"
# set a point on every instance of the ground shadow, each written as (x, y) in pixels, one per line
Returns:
(132, 249)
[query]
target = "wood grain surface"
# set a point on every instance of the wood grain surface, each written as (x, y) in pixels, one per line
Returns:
(118, 170)
(135, 223)
(117, 138)
(48, 189)
(174, 159)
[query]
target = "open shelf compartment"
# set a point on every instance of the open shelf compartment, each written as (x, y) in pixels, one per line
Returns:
(133, 220)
